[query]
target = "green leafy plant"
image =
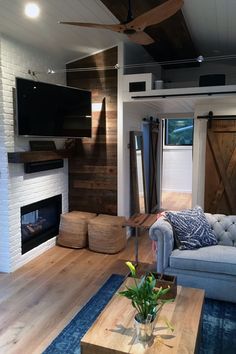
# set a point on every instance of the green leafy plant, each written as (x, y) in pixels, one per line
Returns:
(144, 295)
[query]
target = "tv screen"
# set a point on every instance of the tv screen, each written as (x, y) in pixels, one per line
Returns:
(44, 109)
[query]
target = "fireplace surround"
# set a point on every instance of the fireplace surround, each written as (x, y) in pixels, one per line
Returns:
(40, 222)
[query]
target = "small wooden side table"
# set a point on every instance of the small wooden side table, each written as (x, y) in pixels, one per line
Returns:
(139, 221)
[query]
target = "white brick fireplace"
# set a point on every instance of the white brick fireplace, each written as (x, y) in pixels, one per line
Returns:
(18, 189)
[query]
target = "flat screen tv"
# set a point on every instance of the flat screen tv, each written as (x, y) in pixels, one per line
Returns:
(44, 109)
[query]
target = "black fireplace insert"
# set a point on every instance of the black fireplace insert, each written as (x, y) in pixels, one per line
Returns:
(40, 222)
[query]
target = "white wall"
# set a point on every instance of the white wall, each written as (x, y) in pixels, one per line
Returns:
(19, 189)
(4, 242)
(130, 116)
(189, 77)
(177, 169)
(137, 60)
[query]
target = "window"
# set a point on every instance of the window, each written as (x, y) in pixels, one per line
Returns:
(178, 132)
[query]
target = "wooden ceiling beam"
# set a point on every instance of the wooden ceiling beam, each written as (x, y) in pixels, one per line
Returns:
(172, 37)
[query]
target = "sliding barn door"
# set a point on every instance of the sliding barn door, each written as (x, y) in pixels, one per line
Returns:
(220, 177)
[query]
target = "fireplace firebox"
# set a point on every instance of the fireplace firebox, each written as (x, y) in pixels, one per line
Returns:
(40, 222)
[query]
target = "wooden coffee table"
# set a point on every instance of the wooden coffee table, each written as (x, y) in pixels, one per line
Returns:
(113, 331)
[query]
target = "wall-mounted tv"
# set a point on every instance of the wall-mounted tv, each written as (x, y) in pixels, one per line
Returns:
(44, 109)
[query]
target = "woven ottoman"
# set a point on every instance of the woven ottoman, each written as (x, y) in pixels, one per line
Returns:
(73, 230)
(107, 234)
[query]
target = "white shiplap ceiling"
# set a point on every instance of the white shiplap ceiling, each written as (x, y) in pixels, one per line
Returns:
(211, 23)
(45, 33)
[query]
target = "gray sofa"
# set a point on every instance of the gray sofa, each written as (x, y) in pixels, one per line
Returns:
(212, 268)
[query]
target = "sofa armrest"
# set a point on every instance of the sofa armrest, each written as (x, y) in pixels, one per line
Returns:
(161, 232)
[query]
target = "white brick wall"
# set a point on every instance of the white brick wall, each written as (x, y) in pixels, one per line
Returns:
(4, 242)
(18, 189)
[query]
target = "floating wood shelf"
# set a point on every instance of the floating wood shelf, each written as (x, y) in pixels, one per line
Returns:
(32, 156)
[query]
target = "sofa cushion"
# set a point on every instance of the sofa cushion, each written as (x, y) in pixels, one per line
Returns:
(191, 228)
(213, 259)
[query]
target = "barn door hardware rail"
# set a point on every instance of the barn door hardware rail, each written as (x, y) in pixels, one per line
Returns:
(210, 116)
(166, 95)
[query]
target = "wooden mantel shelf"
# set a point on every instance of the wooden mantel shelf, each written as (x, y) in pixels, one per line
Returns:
(32, 156)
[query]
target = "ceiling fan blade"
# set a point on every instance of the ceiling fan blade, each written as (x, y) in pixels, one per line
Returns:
(156, 15)
(141, 38)
(116, 27)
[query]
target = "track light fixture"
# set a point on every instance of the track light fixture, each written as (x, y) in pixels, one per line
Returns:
(200, 58)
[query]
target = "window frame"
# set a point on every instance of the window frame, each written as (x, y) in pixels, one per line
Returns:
(168, 145)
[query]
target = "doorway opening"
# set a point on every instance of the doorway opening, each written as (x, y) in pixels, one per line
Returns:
(177, 163)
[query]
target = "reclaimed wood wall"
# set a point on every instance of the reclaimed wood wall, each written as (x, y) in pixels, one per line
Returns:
(93, 171)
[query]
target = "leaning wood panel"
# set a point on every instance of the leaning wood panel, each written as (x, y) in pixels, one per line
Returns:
(96, 157)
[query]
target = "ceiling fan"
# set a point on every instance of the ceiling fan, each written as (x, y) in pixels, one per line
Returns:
(134, 27)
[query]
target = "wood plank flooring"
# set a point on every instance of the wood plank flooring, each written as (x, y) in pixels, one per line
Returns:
(39, 299)
(176, 200)
(171, 201)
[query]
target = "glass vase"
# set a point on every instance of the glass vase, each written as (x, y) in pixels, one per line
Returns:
(144, 331)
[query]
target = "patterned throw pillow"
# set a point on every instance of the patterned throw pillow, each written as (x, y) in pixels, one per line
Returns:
(191, 228)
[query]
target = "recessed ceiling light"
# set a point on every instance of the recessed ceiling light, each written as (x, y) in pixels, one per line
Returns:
(32, 10)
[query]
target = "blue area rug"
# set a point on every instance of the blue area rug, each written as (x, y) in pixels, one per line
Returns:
(218, 327)
(218, 334)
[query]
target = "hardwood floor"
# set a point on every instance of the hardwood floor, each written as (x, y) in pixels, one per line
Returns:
(171, 201)
(39, 299)
(176, 200)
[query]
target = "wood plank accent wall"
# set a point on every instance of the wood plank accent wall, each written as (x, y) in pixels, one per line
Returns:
(93, 172)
